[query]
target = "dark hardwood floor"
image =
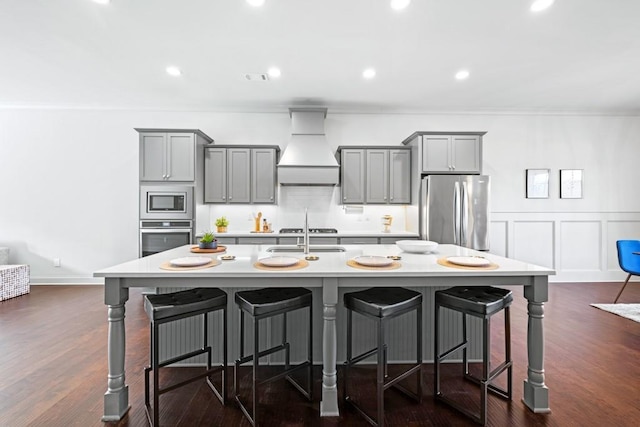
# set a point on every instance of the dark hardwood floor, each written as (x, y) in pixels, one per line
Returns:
(53, 369)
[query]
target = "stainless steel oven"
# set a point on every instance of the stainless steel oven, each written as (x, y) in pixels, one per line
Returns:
(158, 236)
(166, 202)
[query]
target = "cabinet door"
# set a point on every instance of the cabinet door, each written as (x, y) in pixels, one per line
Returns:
(152, 156)
(239, 175)
(181, 157)
(400, 176)
(436, 153)
(263, 177)
(377, 181)
(215, 175)
(352, 170)
(465, 153)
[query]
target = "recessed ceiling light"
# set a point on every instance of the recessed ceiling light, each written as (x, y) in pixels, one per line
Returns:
(539, 5)
(399, 4)
(173, 71)
(369, 73)
(274, 72)
(255, 3)
(102, 1)
(462, 75)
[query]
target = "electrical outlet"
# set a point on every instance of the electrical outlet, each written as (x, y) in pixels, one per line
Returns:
(56, 262)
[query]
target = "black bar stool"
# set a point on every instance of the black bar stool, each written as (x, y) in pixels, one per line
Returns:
(261, 304)
(382, 304)
(163, 308)
(482, 302)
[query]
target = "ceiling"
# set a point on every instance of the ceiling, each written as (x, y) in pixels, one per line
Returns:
(577, 56)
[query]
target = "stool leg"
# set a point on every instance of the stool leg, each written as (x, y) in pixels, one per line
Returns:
(205, 336)
(287, 350)
(465, 359)
(381, 368)
(156, 373)
(224, 356)
(436, 350)
(486, 368)
(507, 344)
(256, 351)
(310, 349)
(349, 347)
(236, 389)
(419, 349)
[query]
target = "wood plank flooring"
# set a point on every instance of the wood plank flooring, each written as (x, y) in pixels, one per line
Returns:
(53, 369)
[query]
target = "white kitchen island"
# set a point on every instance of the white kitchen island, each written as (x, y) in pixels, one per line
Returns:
(329, 273)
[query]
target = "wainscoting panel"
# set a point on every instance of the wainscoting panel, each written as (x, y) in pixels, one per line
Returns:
(580, 243)
(580, 246)
(533, 242)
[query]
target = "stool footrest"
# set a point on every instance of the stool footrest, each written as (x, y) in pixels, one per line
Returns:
(207, 374)
(452, 350)
(285, 373)
(460, 408)
(248, 358)
(183, 357)
(402, 376)
(361, 357)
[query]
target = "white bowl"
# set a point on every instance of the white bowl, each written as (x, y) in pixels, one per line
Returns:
(417, 246)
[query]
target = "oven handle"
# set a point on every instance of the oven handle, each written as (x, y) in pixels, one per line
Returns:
(164, 230)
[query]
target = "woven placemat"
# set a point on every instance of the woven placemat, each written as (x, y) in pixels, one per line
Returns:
(392, 266)
(297, 266)
(168, 266)
(197, 250)
(443, 261)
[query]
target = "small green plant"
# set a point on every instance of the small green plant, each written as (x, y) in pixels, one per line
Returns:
(208, 237)
(222, 222)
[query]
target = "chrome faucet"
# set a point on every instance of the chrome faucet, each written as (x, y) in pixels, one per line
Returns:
(305, 241)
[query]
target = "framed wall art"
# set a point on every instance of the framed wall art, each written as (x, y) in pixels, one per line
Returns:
(571, 182)
(537, 183)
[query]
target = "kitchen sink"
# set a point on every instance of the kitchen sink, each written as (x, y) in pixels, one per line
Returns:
(312, 248)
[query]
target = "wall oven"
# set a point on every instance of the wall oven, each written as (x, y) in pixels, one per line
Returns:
(158, 236)
(164, 202)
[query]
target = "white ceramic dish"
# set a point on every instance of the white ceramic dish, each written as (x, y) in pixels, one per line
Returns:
(469, 261)
(373, 261)
(190, 261)
(417, 246)
(278, 261)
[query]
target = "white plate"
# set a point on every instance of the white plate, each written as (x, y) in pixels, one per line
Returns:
(190, 261)
(417, 246)
(279, 261)
(469, 261)
(373, 261)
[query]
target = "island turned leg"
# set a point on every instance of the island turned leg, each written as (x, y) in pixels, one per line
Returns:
(536, 393)
(116, 399)
(329, 402)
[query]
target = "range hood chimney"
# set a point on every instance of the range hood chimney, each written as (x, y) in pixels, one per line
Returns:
(308, 159)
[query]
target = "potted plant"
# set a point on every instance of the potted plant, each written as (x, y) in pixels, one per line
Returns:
(208, 241)
(221, 224)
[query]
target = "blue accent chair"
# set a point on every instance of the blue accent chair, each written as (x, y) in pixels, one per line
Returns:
(629, 260)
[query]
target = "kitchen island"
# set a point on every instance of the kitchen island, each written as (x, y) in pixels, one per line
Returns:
(329, 273)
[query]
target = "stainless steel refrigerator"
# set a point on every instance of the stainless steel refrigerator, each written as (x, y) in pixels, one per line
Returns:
(455, 209)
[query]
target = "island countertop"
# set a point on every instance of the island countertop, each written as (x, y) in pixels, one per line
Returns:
(330, 273)
(329, 264)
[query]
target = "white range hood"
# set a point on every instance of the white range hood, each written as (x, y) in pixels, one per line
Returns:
(308, 159)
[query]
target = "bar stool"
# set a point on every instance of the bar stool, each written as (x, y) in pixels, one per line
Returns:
(262, 304)
(381, 305)
(482, 302)
(164, 308)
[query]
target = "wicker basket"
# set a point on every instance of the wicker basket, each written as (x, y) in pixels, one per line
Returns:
(14, 281)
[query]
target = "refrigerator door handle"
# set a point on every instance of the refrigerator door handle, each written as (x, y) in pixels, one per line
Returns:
(464, 216)
(456, 214)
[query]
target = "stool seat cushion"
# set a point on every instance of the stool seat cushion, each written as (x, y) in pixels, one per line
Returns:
(272, 300)
(382, 302)
(163, 306)
(475, 300)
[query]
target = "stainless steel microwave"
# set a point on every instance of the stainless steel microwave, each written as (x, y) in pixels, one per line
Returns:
(166, 202)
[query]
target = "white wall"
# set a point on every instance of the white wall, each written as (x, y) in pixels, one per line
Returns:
(68, 182)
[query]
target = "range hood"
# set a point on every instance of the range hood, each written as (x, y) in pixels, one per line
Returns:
(308, 159)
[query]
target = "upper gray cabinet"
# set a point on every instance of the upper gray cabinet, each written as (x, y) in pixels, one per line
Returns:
(169, 155)
(379, 175)
(447, 152)
(240, 174)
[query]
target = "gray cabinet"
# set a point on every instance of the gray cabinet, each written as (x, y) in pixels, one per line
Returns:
(375, 175)
(451, 154)
(240, 174)
(169, 155)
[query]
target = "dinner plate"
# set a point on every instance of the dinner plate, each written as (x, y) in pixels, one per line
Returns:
(279, 261)
(469, 261)
(190, 261)
(373, 261)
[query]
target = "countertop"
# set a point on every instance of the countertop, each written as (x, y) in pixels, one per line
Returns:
(406, 234)
(329, 264)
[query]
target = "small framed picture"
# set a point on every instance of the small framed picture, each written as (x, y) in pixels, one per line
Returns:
(571, 183)
(538, 183)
